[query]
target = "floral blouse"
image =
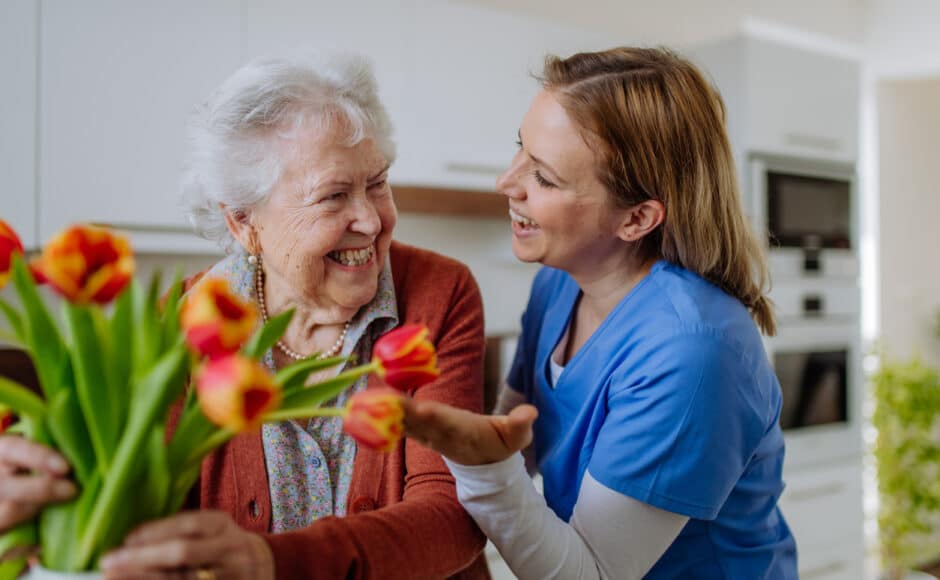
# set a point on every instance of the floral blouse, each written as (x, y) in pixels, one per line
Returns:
(309, 463)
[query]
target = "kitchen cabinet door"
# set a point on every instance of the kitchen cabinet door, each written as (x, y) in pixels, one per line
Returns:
(118, 82)
(801, 103)
(18, 49)
(468, 84)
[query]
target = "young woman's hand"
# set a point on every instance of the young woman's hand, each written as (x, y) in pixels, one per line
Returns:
(468, 438)
(31, 476)
(201, 545)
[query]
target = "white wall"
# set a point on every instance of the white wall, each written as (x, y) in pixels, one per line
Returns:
(683, 22)
(901, 37)
(909, 208)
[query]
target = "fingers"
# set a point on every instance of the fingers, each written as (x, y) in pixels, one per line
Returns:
(37, 489)
(469, 438)
(186, 525)
(515, 429)
(22, 454)
(168, 556)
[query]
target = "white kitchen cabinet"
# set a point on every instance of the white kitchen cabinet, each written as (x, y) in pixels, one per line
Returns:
(18, 50)
(785, 100)
(118, 82)
(468, 84)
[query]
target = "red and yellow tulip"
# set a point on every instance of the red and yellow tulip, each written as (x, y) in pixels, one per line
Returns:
(375, 418)
(10, 244)
(405, 358)
(86, 264)
(7, 418)
(216, 321)
(235, 392)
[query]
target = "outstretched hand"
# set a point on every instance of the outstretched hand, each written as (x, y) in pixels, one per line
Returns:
(469, 438)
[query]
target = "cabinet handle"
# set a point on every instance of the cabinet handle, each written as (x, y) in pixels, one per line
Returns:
(812, 141)
(824, 570)
(818, 491)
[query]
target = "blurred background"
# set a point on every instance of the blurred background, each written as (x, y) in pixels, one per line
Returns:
(834, 116)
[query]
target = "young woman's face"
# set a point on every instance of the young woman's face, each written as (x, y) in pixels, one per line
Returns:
(326, 227)
(562, 216)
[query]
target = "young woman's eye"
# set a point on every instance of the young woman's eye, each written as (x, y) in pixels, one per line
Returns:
(519, 143)
(541, 180)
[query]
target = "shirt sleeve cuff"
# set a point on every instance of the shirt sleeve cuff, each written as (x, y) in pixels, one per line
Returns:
(490, 477)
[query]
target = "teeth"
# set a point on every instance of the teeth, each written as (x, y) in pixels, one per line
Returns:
(353, 257)
(522, 220)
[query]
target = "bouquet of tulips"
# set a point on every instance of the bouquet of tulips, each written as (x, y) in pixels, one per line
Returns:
(120, 360)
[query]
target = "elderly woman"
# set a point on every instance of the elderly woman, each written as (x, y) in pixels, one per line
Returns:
(289, 173)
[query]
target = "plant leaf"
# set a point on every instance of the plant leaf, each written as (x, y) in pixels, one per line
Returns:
(100, 404)
(21, 399)
(171, 310)
(294, 376)
(316, 395)
(43, 340)
(67, 427)
(15, 319)
(21, 536)
(122, 340)
(268, 334)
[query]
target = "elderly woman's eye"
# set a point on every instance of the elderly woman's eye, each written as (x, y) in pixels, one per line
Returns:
(378, 184)
(339, 195)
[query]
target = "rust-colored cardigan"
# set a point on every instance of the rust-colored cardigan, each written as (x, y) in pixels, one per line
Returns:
(404, 520)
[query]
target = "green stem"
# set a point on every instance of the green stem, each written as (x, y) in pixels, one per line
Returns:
(284, 415)
(217, 439)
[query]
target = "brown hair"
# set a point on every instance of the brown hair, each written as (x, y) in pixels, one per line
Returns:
(659, 128)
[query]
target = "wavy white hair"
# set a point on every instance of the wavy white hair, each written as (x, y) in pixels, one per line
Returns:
(233, 160)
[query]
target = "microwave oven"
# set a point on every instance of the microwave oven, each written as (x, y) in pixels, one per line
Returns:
(805, 206)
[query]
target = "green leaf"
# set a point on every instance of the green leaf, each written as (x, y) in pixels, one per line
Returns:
(122, 340)
(100, 402)
(317, 394)
(42, 336)
(21, 536)
(15, 319)
(269, 334)
(171, 310)
(157, 389)
(67, 426)
(147, 335)
(294, 376)
(21, 399)
(192, 429)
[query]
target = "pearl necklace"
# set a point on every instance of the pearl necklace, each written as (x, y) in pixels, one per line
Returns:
(259, 291)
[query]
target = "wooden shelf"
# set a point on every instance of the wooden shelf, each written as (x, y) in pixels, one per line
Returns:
(452, 202)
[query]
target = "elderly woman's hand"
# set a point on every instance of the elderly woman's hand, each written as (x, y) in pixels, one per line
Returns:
(31, 476)
(199, 545)
(468, 438)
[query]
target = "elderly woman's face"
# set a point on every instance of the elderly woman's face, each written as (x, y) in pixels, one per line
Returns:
(326, 227)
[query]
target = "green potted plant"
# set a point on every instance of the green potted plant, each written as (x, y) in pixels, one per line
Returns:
(907, 455)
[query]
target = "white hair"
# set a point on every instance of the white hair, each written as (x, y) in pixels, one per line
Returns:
(233, 160)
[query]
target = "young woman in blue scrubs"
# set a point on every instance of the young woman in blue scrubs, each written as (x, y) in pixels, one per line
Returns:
(640, 376)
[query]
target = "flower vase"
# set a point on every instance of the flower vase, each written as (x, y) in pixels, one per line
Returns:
(37, 572)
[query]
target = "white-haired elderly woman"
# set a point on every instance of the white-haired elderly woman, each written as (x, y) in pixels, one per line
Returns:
(289, 172)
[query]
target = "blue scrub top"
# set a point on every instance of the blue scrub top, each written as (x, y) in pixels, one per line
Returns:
(672, 401)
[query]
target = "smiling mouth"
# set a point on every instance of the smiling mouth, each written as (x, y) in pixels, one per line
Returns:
(522, 221)
(353, 257)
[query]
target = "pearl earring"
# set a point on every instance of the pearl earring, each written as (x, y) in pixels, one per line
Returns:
(253, 259)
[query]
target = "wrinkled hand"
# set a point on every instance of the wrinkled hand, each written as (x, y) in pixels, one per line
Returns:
(189, 544)
(31, 476)
(468, 438)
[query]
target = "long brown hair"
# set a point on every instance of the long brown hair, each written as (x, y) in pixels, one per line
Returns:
(659, 127)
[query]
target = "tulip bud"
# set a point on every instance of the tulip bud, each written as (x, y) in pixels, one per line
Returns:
(374, 418)
(7, 418)
(236, 392)
(216, 321)
(86, 264)
(405, 358)
(10, 244)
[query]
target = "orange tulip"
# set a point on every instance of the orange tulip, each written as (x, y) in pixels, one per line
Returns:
(10, 244)
(86, 264)
(216, 322)
(405, 358)
(7, 418)
(375, 418)
(235, 392)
